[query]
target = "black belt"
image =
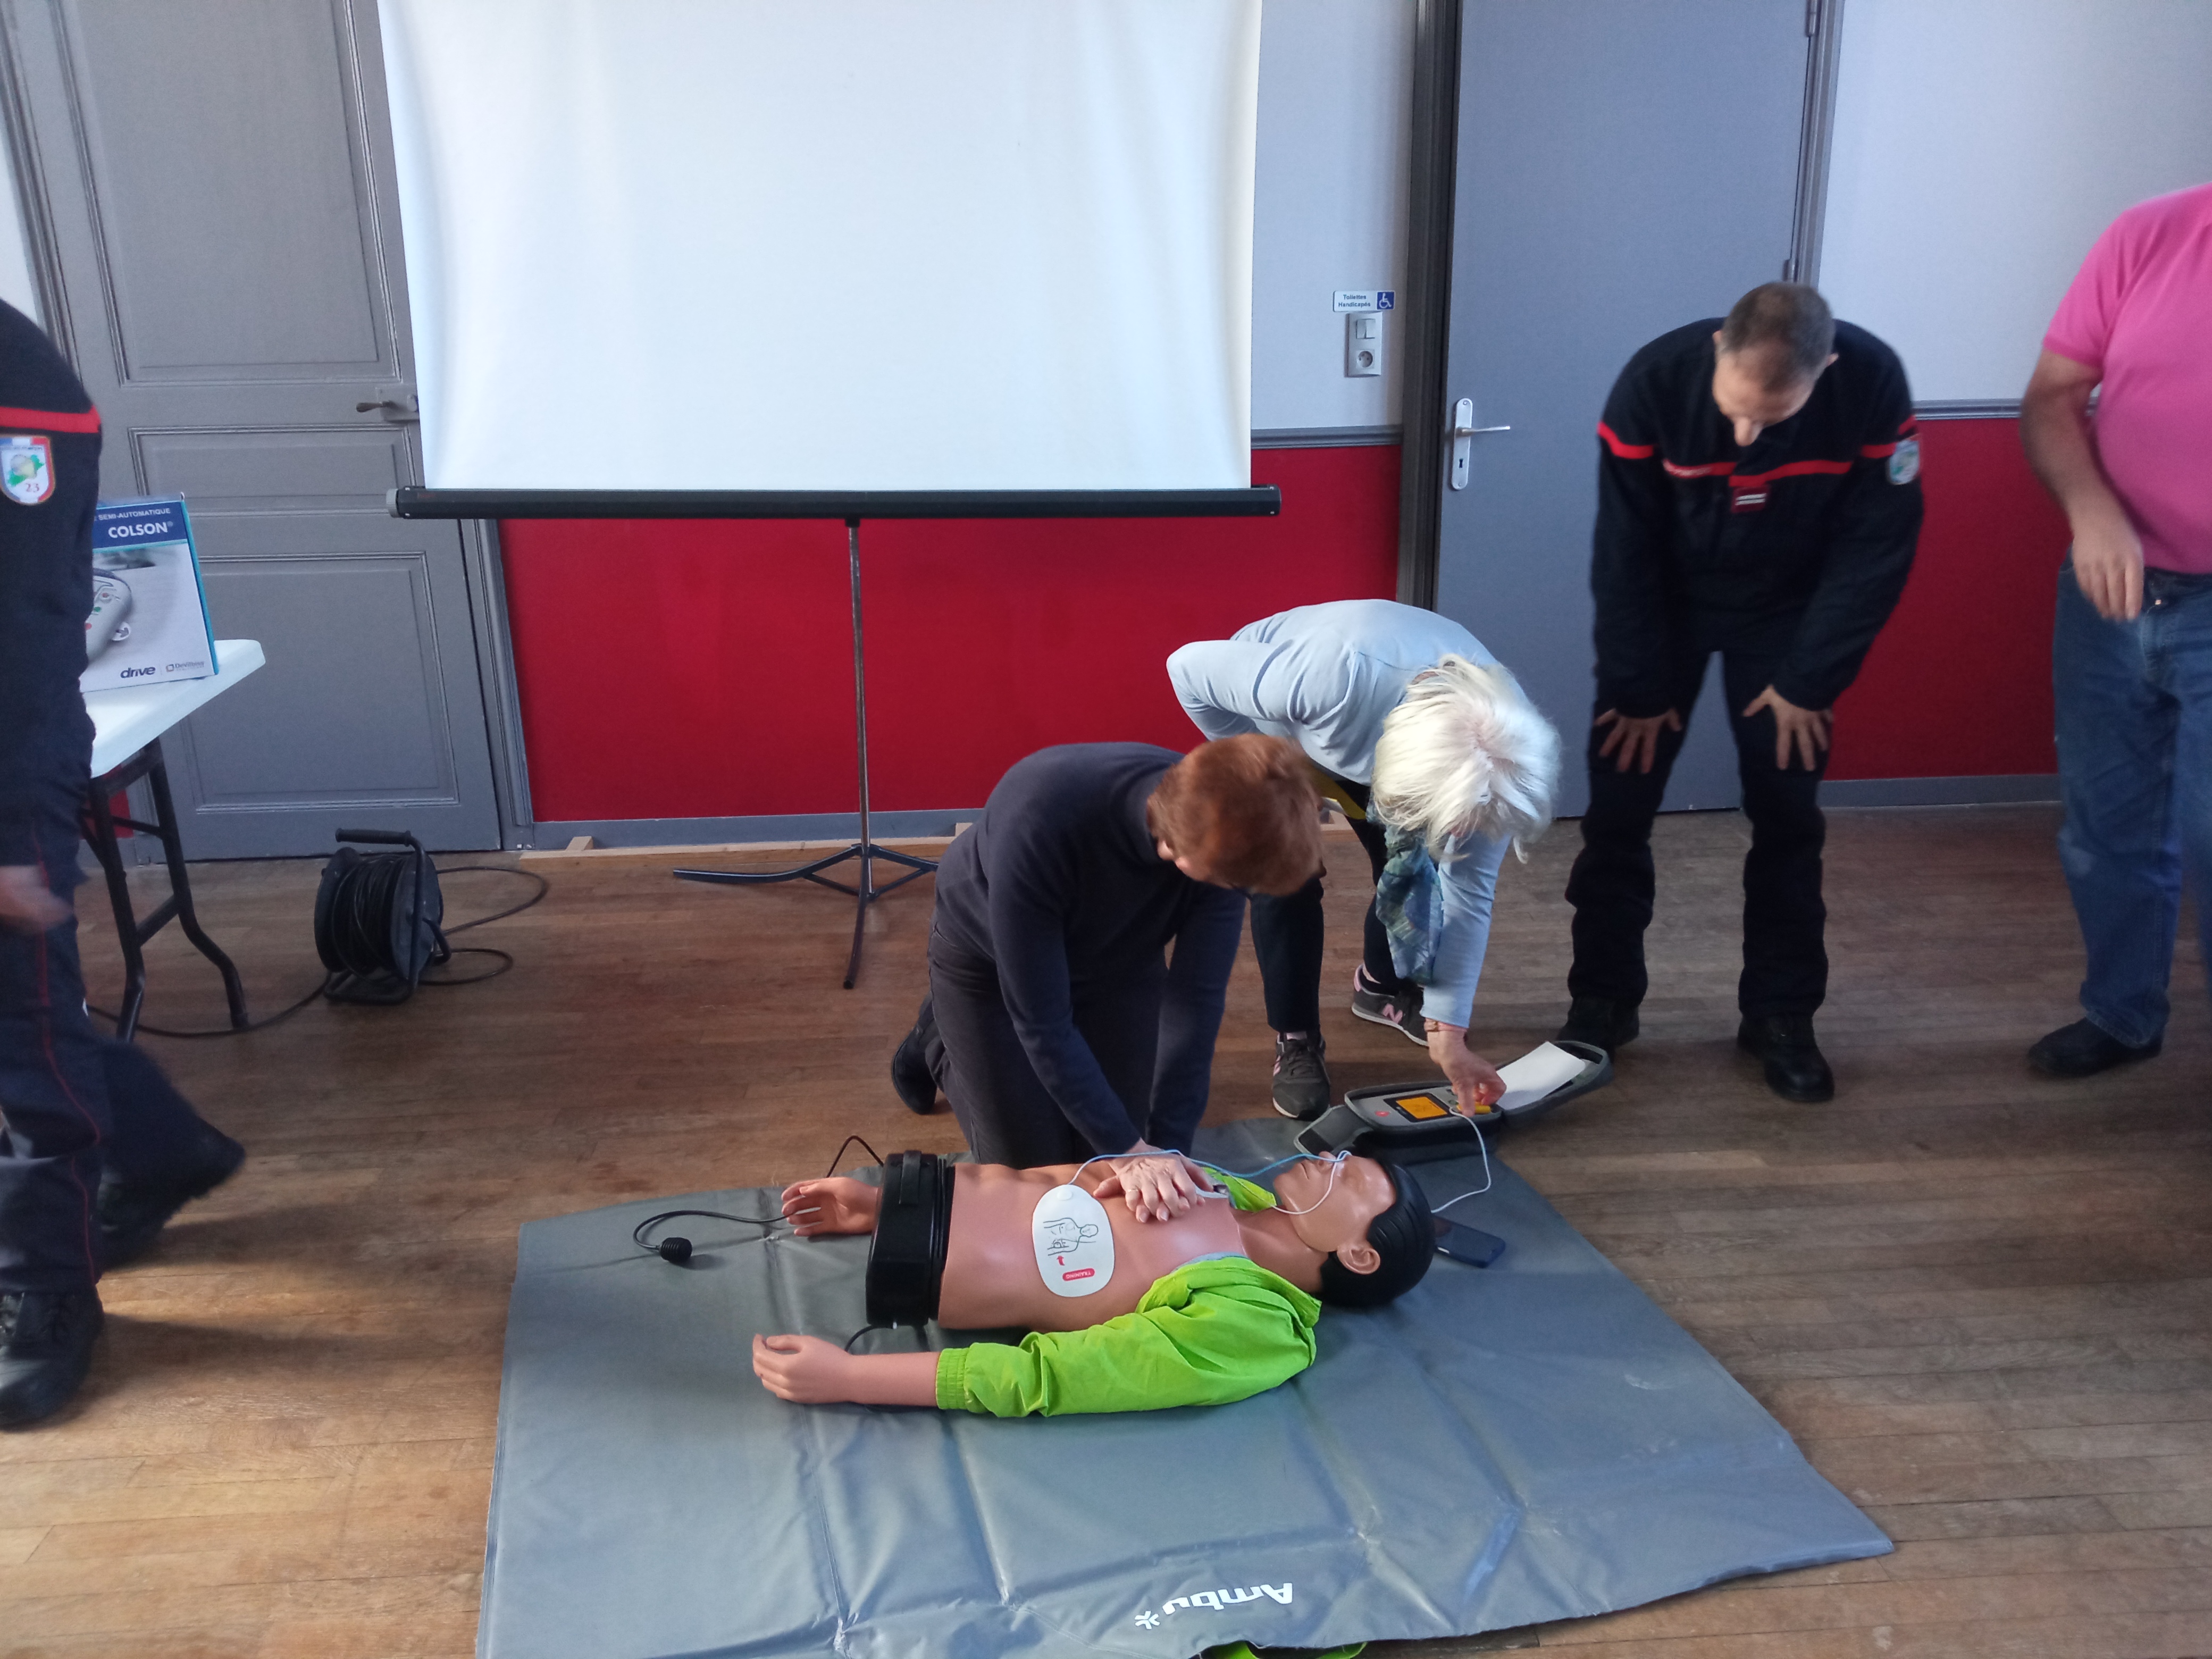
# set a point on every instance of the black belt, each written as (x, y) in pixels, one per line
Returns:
(906, 1256)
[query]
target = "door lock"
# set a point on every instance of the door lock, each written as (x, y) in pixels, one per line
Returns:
(1464, 432)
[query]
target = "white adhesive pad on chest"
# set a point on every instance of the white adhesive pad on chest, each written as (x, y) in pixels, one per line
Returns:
(1075, 1241)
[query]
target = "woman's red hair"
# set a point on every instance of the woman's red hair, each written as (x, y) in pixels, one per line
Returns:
(1244, 810)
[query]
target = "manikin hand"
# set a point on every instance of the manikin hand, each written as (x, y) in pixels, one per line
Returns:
(1800, 729)
(805, 1368)
(1158, 1185)
(1472, 1077)
(809, 1371)
(1634, 737)
(836, 1204)
(26, 905)
(2108, 564)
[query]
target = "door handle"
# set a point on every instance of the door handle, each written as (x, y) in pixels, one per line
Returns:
(1464, 432)
(397, 404)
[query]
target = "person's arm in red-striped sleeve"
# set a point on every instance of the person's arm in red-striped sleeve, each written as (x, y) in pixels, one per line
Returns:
(1636, 620)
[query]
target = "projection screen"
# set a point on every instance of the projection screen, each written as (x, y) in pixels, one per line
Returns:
(828, 244)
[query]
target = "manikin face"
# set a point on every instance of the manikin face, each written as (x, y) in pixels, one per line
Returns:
(1336, 1214)
(1741, 391)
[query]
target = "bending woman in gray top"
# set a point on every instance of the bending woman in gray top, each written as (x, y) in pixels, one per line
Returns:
(1432, 749)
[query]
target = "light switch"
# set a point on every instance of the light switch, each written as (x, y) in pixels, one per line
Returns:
(1362, 343)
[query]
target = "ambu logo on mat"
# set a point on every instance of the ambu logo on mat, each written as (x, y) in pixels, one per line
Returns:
(1214, 1600)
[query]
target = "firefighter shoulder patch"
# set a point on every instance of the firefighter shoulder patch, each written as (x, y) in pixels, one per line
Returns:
(27, 468)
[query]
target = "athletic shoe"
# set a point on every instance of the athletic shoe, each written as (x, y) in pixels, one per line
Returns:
(45, 1349)
(1399, 1010)
(1600, 1022)
(1795, 1069)
(1301, 1089)
(2082, 1049)
(910, 1074)
(132, 1213)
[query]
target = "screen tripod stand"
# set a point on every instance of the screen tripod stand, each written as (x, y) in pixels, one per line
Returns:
(415, 502)
(863, 852)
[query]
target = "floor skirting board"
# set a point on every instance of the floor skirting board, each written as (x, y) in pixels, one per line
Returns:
(772, 828)
(1938, 792)
(788, 827)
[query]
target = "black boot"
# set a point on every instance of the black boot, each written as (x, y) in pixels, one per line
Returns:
(2082, 1049)
(1600, 1022)
(910, 1074)
(1784, 1045)
(132, 1213)
(45, 1349)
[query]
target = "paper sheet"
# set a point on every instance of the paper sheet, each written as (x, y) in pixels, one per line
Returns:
(1537, 1073)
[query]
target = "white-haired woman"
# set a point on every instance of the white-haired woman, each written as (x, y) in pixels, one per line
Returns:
(1441, 763)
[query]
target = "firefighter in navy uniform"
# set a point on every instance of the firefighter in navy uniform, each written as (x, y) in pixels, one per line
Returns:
(97, 1151)
(1758, 496)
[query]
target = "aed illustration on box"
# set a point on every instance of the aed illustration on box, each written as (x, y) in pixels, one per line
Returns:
(149, 621)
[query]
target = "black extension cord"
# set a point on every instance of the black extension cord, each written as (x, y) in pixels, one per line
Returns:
(363, 921)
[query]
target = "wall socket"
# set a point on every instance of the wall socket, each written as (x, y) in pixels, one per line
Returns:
(1362, 343)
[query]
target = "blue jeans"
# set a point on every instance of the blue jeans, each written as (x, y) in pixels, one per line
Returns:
(2135, 762)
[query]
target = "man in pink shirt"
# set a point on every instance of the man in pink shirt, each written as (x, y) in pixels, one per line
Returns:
(2132, 654)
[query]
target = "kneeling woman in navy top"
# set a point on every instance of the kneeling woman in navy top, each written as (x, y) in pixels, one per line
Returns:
(1084, 934)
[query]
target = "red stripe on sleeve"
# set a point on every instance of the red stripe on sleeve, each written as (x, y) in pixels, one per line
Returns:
(1876, 451)
(1626, 451)
(51, 420)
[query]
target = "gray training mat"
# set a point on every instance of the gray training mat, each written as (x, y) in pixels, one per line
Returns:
(1531, 1441)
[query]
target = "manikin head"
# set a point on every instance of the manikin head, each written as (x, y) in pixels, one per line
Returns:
(1769, 355)
(1239, 813)
(1465, 753)
(1356, 1233)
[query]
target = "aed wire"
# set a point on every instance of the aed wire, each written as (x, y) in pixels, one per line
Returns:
(368, 900)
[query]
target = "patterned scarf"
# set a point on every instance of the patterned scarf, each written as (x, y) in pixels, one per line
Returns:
(1409, 898)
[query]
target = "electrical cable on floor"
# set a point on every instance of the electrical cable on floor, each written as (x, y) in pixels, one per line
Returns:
(368, 901)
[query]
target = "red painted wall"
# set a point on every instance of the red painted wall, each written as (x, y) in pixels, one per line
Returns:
(1958, 684)
(703, 670)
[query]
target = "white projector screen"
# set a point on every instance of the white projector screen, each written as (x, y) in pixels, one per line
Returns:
(828, 245)
(1980, 147)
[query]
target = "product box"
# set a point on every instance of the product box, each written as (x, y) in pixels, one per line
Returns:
(148, 620)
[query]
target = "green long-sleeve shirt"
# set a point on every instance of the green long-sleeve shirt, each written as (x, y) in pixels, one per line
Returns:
(1215, 1330)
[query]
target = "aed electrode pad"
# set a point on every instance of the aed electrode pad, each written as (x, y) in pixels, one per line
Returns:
(1075, 1241)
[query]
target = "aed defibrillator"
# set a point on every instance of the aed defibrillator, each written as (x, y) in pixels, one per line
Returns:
(1420, 1123)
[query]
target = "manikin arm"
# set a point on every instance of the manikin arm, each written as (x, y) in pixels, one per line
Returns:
(838, 1204)
(809, 1371)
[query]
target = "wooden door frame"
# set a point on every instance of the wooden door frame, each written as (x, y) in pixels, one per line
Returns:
(1424, 314)
(480, 550)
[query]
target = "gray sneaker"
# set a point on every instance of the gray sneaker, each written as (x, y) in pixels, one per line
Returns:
(1302, 1088)
(1399, 1010)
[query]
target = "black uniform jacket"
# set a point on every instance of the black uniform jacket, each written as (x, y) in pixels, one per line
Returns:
(48, 480)
(1801, 541)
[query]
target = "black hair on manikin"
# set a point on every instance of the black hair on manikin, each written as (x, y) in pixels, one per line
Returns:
(1404, 1235)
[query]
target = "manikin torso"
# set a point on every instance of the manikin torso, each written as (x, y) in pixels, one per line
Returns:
(991, 1274)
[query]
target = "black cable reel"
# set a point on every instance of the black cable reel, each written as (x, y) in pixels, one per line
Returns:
(377, 918)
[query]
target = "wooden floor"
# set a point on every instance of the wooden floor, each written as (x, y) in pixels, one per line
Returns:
(1981, 1300)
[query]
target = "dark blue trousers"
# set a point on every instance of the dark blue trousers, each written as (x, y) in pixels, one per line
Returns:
(1785, 959)
(74, 1103)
